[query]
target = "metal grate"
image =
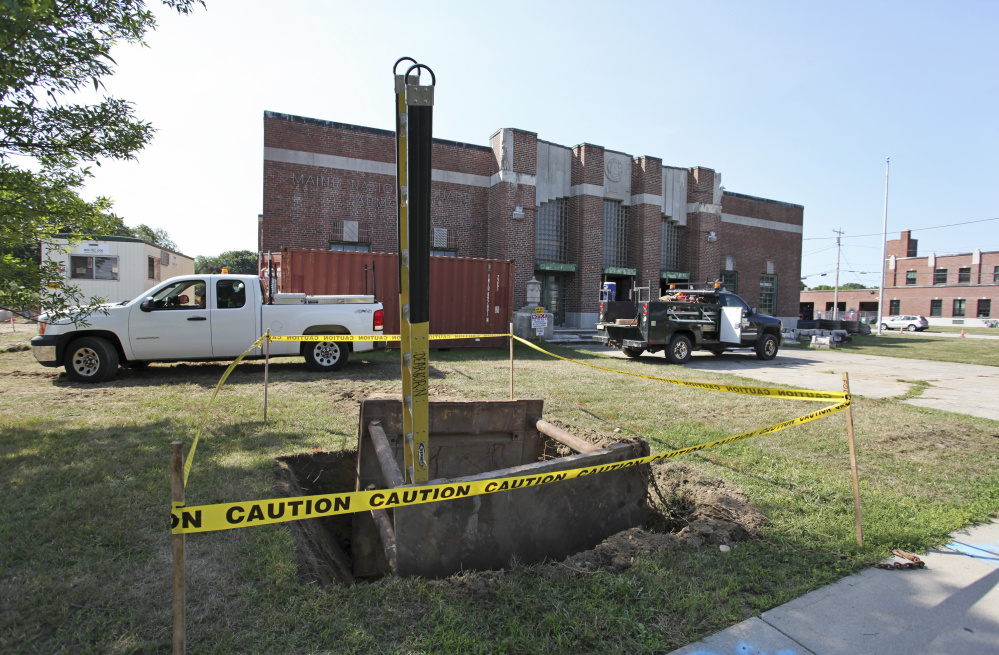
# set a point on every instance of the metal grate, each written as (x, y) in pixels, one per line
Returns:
(550, 232)
(350, 232)
(615, 234)
(671, 245)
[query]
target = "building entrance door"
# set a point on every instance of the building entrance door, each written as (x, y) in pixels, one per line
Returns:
(552, 285)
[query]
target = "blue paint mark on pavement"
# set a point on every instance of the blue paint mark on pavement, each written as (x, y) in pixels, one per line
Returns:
(985, 552)
(742, 648)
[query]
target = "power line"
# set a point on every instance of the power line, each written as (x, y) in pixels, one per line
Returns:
(918, 229)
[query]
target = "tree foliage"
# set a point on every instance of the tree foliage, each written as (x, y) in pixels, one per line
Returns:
(241, 262)
(154, 235)
(49, 51)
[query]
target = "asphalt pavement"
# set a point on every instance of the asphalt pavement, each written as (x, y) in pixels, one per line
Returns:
(963, 388)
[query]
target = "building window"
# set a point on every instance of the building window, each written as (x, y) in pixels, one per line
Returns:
(964, 276)
(351, 247)
(984, 308)
(730, 281)
(936, 307)
(894, 307)
(958, 307)
(768, 294)
(551, 232)
(940, 276)
(910, 278)
(995, 276)
(93, 268)
(671, 245)
(615, 234)
(151, 268)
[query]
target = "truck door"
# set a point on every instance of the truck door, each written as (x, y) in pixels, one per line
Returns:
(176, 326)
(234, 318)
(747, 331)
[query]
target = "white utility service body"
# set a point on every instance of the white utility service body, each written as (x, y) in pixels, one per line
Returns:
(206, 317)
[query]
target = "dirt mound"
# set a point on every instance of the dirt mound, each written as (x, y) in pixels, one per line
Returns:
(686, 510)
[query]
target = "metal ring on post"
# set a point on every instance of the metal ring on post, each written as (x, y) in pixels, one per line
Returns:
(433, 78)
(401, 59)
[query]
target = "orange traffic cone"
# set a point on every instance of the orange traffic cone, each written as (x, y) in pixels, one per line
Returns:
(962, 332)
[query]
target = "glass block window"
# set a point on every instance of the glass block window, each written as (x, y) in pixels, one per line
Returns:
(910, 278)
(615, 234)
(995, 275)
(984, 308)
(936, 307)
(940, 276)
(959, 304)
(351, 247)
(768, 294)
(964, 276)
(894, 307)
(551, 228)
(671, 241)
(730, 281)
(93, 268)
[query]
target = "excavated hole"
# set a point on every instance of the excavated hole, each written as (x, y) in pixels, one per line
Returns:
(686, 510)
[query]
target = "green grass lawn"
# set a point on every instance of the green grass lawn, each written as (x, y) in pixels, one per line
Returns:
(920, 345)
(957, 329)
(85, 563)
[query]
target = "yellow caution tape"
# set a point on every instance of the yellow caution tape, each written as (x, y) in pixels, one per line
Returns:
(225, 376)
(225, 516)
(375, 337)
(788, 394)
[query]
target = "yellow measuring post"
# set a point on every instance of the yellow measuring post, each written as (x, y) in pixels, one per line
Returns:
(414, 163)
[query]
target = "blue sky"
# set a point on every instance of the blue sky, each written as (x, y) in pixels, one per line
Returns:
(795, 101)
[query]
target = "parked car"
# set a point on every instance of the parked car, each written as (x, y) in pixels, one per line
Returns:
(911, 323)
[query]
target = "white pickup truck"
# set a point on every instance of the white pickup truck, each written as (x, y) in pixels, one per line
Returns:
(205, 317)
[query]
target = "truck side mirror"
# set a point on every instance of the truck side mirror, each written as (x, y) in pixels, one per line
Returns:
(147, 304)
(753, 311)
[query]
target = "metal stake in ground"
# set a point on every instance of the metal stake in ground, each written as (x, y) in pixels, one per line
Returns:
(511, 361)
(853, 462)
(179, 589)
(267, 364)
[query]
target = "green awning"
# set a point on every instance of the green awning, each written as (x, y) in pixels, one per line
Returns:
(674, 275)
(614, 270)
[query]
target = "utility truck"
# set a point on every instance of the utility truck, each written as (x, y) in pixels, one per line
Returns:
(683, 321)
(205, 317)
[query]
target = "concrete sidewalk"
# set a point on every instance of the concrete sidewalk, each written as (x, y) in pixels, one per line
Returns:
(949, 608)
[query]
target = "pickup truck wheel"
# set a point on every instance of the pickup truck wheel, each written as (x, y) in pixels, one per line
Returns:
(91, 359)
(326, 356)
(766, 347)
(633, 353)
(678, 351)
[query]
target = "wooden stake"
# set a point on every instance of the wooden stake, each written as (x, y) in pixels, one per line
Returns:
(511, 361)
(853, 463)
(267, 362)
(179, 589)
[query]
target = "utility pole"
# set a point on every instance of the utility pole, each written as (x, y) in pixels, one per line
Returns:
(835, 317)
(884, 252)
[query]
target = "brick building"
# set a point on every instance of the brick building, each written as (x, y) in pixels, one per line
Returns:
(573, 217)
(946, 289)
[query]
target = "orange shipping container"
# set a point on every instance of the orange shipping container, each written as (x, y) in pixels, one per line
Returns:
(467, 296)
